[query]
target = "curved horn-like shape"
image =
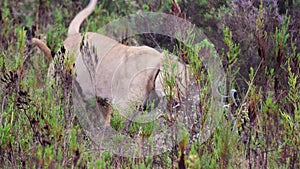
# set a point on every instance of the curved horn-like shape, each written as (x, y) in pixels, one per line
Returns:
(43, 47)
(80, 17)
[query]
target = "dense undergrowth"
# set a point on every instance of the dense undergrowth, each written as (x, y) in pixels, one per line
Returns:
(260, 55)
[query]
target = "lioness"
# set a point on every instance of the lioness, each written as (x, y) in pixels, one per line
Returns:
(123, 74)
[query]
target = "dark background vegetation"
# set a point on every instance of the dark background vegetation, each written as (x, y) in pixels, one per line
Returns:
(38, 129)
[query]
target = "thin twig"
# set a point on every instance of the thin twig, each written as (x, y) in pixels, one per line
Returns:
(250, 85)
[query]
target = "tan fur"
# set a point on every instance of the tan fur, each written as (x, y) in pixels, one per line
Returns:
(43, 47)
(111, 54)
(80, 17)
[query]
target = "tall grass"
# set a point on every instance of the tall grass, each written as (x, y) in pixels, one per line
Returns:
(39, 129)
